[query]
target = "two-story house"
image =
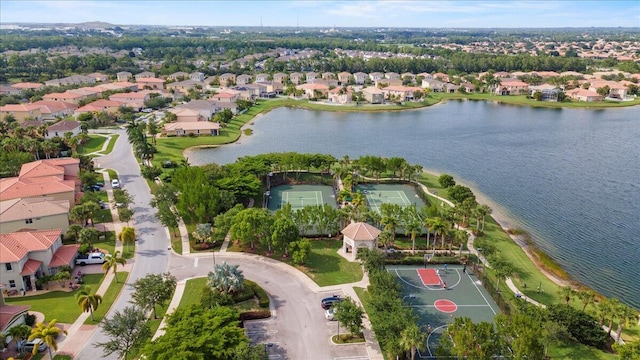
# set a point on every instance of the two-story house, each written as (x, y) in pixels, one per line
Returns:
(123, 76)
(295, 78)
(360, 77)
(33, 214)
(243, 79)
(20, 112)
(60, 128)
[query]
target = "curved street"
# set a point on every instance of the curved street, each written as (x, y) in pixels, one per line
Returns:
(297, 329)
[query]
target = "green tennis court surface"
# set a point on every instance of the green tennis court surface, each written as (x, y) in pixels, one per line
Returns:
(438, 296)
(378, 194)
(300, 196)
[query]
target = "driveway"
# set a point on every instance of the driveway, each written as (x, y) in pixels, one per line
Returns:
(298, 328)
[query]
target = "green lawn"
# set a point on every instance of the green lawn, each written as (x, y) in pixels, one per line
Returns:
(107, 243)
(176, 240)
(108, 298)
(192, 291)
(60, 305)
(571, 351)
(324, 265)
(112, 143)
(522, 100)
(95, 143)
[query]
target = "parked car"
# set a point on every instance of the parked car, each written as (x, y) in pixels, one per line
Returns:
(100, 184)
(27, 346)
(330, 314)
(168, 164)
(330, 301)
(115, 183)
(101, 204)
(88, 259)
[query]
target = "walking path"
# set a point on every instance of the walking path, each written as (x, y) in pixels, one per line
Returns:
(78, 333)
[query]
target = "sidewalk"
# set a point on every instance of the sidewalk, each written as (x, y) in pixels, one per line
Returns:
(78, 333)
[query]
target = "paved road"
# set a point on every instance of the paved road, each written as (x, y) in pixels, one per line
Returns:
(302, 329)
(151, 248)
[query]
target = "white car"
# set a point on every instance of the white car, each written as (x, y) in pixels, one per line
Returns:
(115, 184)
(329, 314)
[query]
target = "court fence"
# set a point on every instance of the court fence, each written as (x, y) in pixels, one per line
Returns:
(490, 286)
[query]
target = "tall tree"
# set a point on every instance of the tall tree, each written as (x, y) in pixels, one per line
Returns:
(127, 330)
(211, 334)
(127, 236)
(87, 301)
(412, 339)
(349, 314)
(152, 290)
(112, 262)
(587, 297)
(283, 233)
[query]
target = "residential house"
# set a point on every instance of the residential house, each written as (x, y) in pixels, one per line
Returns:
(225, 96)
(441, 76)
(425, 76)
(99, 77)
(392, 76)
(192, 128)
(249, 92)
(10, 315)
(403, 93)
(26, 256)
(178, 76)
(311, 76)
(272, 87)
(408, 76)
(62, 127)
(373, 95)
(280, 78)
(67, 96)
(102, 105)
(549, 92)
(329, 82)
(133, 100)
(52, 110)
(222, 105)
(341, 95)
(185, 86)
(151, 83)
(206, 108)
(197, 76)
(433, 85)
(344, 77)
(33, 214)
(187, 115)
(511, 87)
(57, 178)
(144, 75)
(387, 82)
(9, 90)
(27, 85)
(20, 112)
(295, 78)
(71, 80)
(243, 79)
(123, 76)
(376, 76)
(314, 90)
(262, 78)
(468, 87)
(584, 95)
(360, 78)
(327, 76)
(616, 90)
(450, 88)
(125, 85)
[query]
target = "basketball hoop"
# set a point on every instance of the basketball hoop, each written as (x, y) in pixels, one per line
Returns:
(428, 257)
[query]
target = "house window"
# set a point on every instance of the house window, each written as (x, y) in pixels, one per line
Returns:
(8, 266)
(28, 221)
(12, 283)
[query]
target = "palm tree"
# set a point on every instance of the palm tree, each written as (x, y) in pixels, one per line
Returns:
(439, 227)
(586, 297)
(413, 228)
(112, 262)
(127, 236)
(412, 339)
(390, 222)
(88, 302)
(483, 210)
(567, 292)
(384, 239)
(625, 316)
(20, 332)
(613, 307)
(47, 333)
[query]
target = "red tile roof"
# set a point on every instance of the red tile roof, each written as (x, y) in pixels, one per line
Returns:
(64, 255)
(31, 267)
(15, 246)
(8, 314)
(361, 231)
(11, 188)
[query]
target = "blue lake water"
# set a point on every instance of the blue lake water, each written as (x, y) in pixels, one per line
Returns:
(571, 177)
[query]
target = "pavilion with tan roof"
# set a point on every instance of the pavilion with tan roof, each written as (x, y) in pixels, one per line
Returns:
(358, 236)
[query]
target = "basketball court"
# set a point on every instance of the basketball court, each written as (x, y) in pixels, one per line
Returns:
(440, 293)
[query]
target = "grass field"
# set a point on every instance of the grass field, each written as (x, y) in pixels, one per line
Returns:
(95, 143)
(108, 299)
(522, 100)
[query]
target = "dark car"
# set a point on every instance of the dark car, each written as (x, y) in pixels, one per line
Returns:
(92, 188)
(330, 301)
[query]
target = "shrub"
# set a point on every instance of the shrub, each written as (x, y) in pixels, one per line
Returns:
(246, 293)
(211, 297)
(582, 326)
(202, 246)
(254, 315)
(30, 319)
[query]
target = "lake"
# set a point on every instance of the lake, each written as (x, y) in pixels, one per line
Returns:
(571, 177)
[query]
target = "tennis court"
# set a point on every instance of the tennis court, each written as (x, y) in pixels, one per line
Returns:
(378, 194)
(300, 196)
(438, 294)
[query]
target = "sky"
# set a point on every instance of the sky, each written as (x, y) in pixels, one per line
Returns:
(321, 13)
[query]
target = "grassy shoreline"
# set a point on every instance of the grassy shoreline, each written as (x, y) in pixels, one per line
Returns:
(522, 100)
